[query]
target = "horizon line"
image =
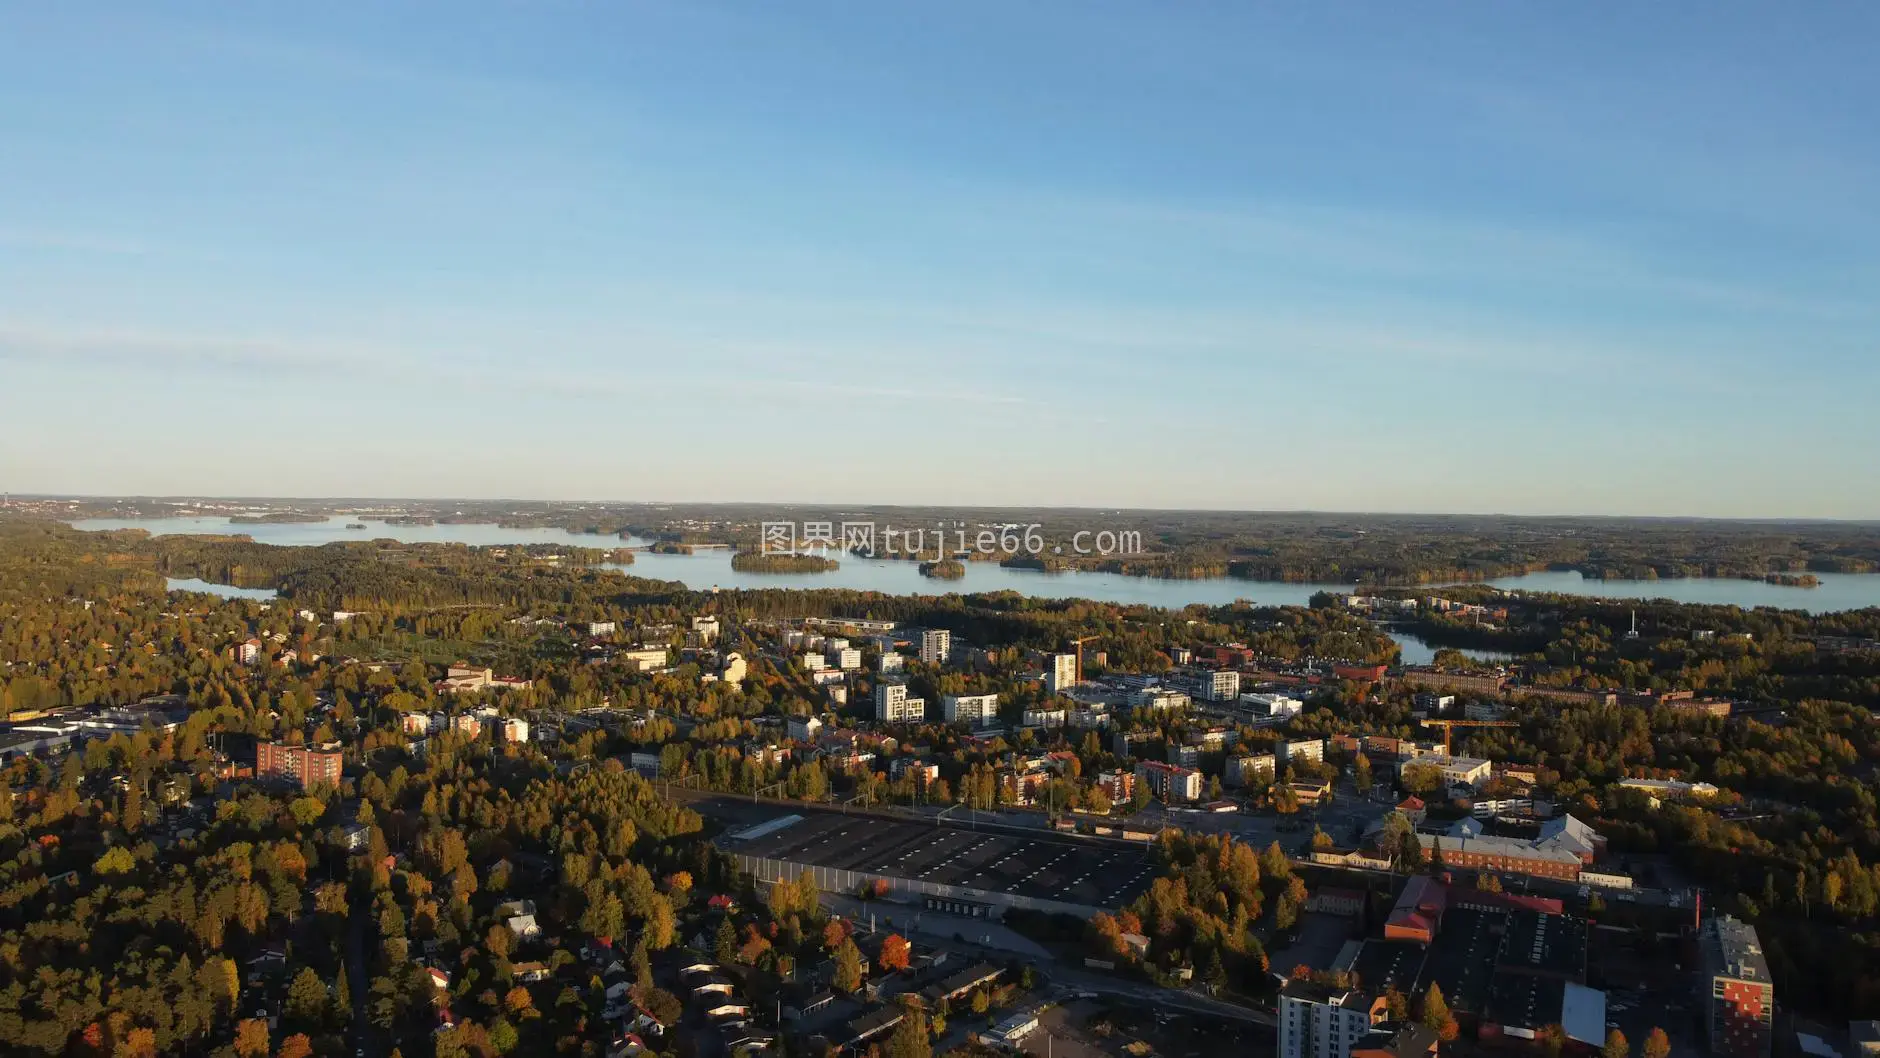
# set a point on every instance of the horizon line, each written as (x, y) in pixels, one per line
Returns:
(789, 504)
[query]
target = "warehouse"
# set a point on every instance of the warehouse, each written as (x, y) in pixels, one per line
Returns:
(942, 865)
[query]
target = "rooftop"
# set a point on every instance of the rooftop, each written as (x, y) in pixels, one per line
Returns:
(1732, 949)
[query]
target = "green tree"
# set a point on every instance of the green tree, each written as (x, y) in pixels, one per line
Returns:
(306, 998)
(725, 943)
(848, 976)
(911, 1038)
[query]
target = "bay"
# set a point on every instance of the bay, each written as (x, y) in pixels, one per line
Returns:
(709, 569)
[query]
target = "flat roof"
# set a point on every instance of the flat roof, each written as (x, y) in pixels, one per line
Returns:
(1390, 964)
(1042, 866)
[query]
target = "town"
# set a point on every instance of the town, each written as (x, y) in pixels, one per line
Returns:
(599, 817)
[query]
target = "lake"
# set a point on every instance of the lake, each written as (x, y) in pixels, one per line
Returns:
(226, 591)
(712, 569)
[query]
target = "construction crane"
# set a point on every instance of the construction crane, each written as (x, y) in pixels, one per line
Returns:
(1448, 725)
(1077, 648)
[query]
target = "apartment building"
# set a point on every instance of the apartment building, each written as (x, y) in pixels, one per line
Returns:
(1324, 1021)
(1220, 685)
(975, 709)
(1169, 783)
(1060, 673)
(893, 706)
(935, 645)
(304, 766)
(1300, 749)
(1117, 785)
(1245, 769)
(1739, 999)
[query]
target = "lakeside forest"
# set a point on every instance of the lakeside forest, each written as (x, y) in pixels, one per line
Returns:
(1298, 547)
(140, 888)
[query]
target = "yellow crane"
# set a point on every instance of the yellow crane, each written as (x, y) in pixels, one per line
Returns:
(1449, 725)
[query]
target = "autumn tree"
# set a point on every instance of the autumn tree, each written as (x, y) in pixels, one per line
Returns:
(894, 953)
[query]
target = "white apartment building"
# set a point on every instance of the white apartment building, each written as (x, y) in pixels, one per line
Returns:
(1060, 673)
(975, 709)
(643, 658)
(1160, 698)
(1244, 770)
(893, 706)
(935, 645)
(1316, 1021)
(733, 668)
(1457, 771)
(1220, 685)
(1301, 749)
(601, 628)
(891, 662)
(1044, 718)
(846, 658)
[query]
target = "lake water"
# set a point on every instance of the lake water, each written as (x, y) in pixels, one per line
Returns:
(712, 569)
(1417, 651)
(226, 591)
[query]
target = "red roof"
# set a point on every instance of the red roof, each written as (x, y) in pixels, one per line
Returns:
(1413, 803)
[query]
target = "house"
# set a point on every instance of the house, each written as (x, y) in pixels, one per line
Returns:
(961, 982)
(440, 979)
(811, 1004)
(530, 972)
(524, 927)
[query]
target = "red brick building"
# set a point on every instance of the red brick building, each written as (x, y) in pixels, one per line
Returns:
(304, 766)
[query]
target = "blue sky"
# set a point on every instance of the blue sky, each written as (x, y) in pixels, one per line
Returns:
(1351, 257)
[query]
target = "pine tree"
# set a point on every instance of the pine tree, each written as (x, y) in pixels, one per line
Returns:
(1435, 1010)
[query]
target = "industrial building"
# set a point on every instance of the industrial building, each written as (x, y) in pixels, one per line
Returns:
(949, 868)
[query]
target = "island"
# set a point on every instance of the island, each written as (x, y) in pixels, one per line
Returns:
(945, 569)
(757, 562)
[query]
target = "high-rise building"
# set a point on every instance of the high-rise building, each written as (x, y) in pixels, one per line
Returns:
(305, 766)
(893, 706)
(1740, 997)
(935, 645)
(1060, 673)
(1324, 1021)
(1220, 685)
